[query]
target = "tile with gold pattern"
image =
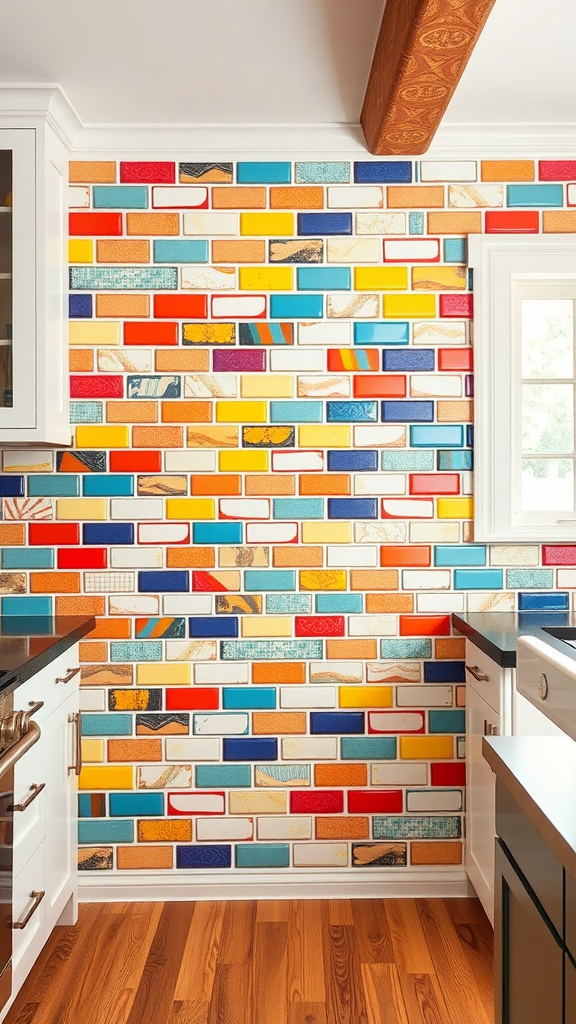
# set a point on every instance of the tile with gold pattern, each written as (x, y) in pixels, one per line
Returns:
(165, 484)
(243, 557)
(379, 854)
(95, 858)
(106, 675)
(238, 604)
(163, 725)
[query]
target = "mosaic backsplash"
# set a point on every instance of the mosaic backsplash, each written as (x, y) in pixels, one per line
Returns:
(269, 506)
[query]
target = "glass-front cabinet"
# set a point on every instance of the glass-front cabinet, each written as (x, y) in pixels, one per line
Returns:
(6, 263)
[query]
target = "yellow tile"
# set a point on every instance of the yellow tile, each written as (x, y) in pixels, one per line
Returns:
(166, 673)
(243, 462)
(324, 437)
(263, 385)
(93, 332)
(241, 412)
(265, 625)
(413, 748)
(455, 508)
(80, 250)
(326, 533)
(92, 750)
(190, 508)
(106, 778)
(208, 334)
(245, 802)
(268, 279)
(323, 579)
(409, 305)
(82, 508)
(433, 278)
(365, 696)
(370, 279)
(277, 224)
(102, 437)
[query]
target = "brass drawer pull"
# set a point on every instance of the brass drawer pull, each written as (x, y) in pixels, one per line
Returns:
(37, 897)
(35, 791)
(475, 671)
(77, 766)
(69, 675)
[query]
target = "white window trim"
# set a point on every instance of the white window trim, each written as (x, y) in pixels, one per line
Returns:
(496, 262)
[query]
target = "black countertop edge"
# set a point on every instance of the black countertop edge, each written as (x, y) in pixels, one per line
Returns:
(504, 657)
(540, 772)
(20, 673)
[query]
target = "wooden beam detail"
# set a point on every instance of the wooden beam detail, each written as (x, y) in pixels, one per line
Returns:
(422, 49)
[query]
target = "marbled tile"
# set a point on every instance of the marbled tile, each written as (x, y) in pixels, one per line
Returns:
(381, 224)
(323, 387)
(379, 854)
(258, 802)
(164, 776)
(243, 557)
(290, 827)
(361, 306)
(475, 195)
(302, 250)
(317, 855)
(272, 776)
(353, 250)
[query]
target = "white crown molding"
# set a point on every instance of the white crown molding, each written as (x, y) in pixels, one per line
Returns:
(28, 104)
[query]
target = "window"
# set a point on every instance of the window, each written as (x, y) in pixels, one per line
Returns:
(525, 387)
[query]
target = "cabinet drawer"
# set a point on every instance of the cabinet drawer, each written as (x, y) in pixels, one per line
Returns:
(62, 675)
(484, 675)
(32, 692)
(29, 940)
(30, 822)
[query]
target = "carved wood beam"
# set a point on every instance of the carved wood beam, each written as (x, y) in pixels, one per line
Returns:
(422, 49)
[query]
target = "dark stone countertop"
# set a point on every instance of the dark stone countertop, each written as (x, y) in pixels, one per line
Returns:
(496, 633)
(29, 643)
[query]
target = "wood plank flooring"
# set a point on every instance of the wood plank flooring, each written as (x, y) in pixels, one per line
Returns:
(274, 962)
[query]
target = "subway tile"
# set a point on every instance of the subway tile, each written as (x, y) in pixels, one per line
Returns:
(307, 250)
(526, 196)
(462, 196)
(233, 650)
(205, 172)
(322, 172)
(264, 224)
(180, 250)
(226, 775)
(367, 171)
(316, 855)
(263, 172)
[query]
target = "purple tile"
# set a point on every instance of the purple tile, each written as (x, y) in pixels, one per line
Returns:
(239, 362)
(469, 381)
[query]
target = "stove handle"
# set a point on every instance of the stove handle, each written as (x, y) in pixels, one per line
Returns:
(477, 674)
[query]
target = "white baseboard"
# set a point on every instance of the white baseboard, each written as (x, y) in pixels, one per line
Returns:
(143, 887)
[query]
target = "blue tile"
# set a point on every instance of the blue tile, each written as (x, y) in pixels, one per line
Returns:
(86, 412)
(180, 250)
(469, 436)
(108, 533)
(226, 776)
(453, 721)
(79, 307)
(336, 723)
(350, 461)
(447, 555)
(397, 827)
(116, 197)
(20, 624)
(262, 748)
(263, 855)
(27, 558)
(324, 278)
(405, 649)
(26, 606)
(160, 628)
(104, 485)
(407, 412)
(269, 579)
(124, 278)
(204, 856)
(136, 650)
(415, 222)
(390, 333)
(529, 579)
(296, 412)
(369, 748)
(208, 626)
(12, 486)
(324, 223)
(409, 359)
(106, 725)
(59, 486)
(164, 581)
(295, 307)
(217, 533)
(247, 698)
(298, 508)
(322, 172)
(352, 412)
(166, 386)
(526, 619)
(407, 461)
(443, 436)
(455, 250)
(385, 171)
(478, 579)
(557, 601)
(328, 604)
(262, 172)
(352, 508)
(531, 195)
(144, 805)
(105, 831)
(455, 460)
(271, 650)
(444, 672)
(288, 604)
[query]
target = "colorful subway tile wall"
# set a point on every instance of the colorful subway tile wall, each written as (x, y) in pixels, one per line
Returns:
(268, 507)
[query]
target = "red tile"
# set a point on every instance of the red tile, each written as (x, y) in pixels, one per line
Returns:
(369, 801)
(559, 554)
(424, 625)
(451, 773)
(395, 728)
(325, 801)
(434, 483)
(173, 811)
(344, 359)
(512, 222)
(82, 558)
(404, 555)
(93, 386)
(320, 625)
(457, 305)
(197, 698)
(136, 462)
(155, 172)
(95, 223)
(455, 358)
(379, 386)
(183, 307)
(150, 334)
(54, 533)
(206, 583)
(557, 170)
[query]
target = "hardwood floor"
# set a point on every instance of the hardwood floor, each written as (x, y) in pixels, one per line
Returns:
(276, 962)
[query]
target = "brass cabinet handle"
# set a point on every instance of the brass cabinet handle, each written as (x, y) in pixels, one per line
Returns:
(71, 672)
(37, 897)
(77, 766)
(475, 671)
(489, 729)
(35, 790)
(15, 752)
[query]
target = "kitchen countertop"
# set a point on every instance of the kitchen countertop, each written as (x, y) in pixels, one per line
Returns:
(29, 643)
(496, 633)
(540, 773)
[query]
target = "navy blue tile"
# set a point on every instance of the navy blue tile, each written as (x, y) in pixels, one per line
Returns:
(257, 749)
(408, 359)
(351, 412)
(108, 533)
(551, 602)
(526, 620)
(387, 171)
(408, 412)
(324, 223)
(352, 508)
(11, 486)
(164, 582)
(469, 436)
(336, 722)
(444, 672)
(210, 627)
(206, 856)
(348, 461)
(79, 306)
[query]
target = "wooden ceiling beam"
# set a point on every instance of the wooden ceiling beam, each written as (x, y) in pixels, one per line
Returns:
(422, 49)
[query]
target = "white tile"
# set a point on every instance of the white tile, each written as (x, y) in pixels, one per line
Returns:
(307, 697)
(566, 578)
(401, 774)
(461, 747)
(295, 361)
(219, 829)
(271, 533)
(17, 461)
(437, 604)
(380, 223)
(380, 483)
(426, 579)
(336, 672)
(192, 748)
(353, 250)
(92, 699)
(426, 696)
(434, 533)
(490, 601)
(133, 604)
(571, 193)
(190, 462)
(380, 533)
(206, 385)
(196, 803)
(136, 558)
(351, 555)
(297, 462)
(109, 582)
(79, 196)
(120, 360)
(439, 333)
(187, 604)
(238, 306)
(320, 855)
(435, 385)
(466, 483)
(244, 508)
(263, 802)
(350, 197)
(429, 800)
(411, 250)
(179, 197)
(210, 223)
(448, 170)
(191, 650)
(221, 724)
(408, 508)
(360, 306)
(223, 673)
(317, 748)
(514, 554)
(163, 533)
(393, 672)
(322, 333)
(136, 508)
(388, 436)
(211, 279)
(372, 625)
(396, 721)
(175, 776)
(288, 827)
(466, 196)
(323, 387)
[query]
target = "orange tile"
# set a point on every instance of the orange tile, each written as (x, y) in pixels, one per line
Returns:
(178, 360)
(277, 723)
(296, 198)
(377, 603)
(340, 775)
(122, 250)
(373, 579)
(80, 361)
(229, 483)
(187, 412)
(424, 625)
(455, 222)
(152, 224)
(165, 831)
(415, 197)
(212, 437)
(435, 853)
(144, 858)
(328, 483)
(122, 305)
(342, 827)
(96, 171)
(12, 535)
(190, 558)
(157, 437)
(341, 650)
(453, 647)
(404, 555)
(507, 170)
(111, 629)
(268, 485)
(92, 651)
(240, 250)
(232, 198)
(134, 750)
(291, 556)
(559, 221)
(92, 604)
(107, 675)
(55, 582)
(280, 673)
(131, 412)
(454, 412)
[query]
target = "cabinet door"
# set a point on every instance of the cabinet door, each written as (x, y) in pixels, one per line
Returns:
(528, 956)
(481, 720)
(60, 733)
(570, 991)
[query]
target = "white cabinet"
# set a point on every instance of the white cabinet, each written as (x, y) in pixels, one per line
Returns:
(481, 720)
(61, 731)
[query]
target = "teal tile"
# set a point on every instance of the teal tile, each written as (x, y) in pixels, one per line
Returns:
(269, 579)
(263, 855)
(332, 603)
(407, 461)
(530, 579)
(368, 748)
(447, 555)
(225, 776)
(146, 805)
(298, 508)
(248, 698)
(385, 333)
(322, 172)
(455, 460)
(26, 606)
(106, 725)
(397, 827)
(124, 278)
(288, 604)
(441, 436)
(478, 579)
(102, 485)
(180, 250)
(105, 831)
(271, 650)
(296, 412)
(283, 774)
(86, 412)
(45, 486)
(416, 222)
(324, 279)
(295, 307)
(27, 558)
(406, 649)
(144, 650)
(120, 197)
(263, 172)
(531, 195)
(455, 250)
(447, 721)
